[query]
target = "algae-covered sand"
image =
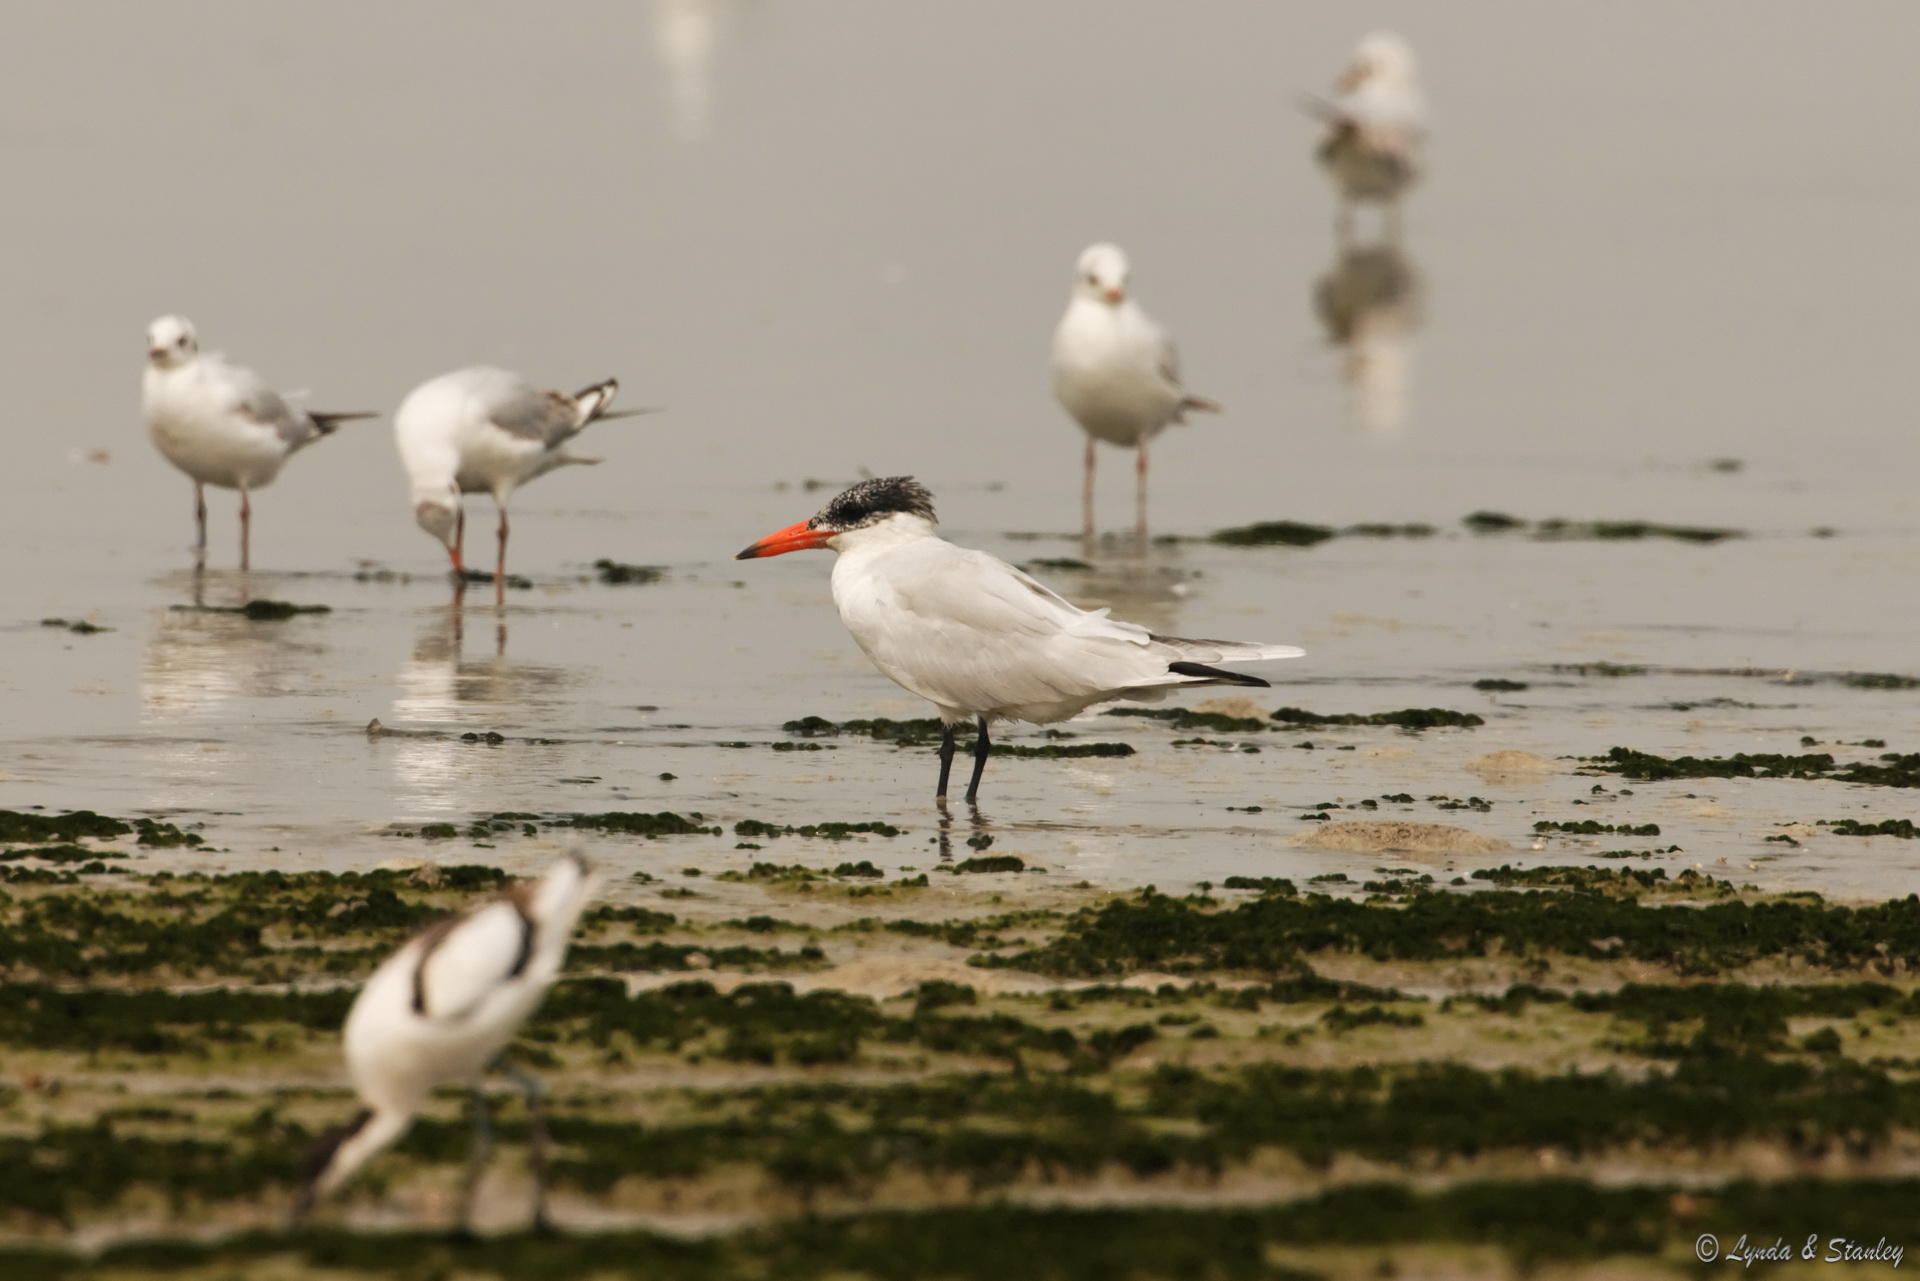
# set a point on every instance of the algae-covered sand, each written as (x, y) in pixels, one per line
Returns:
(898, 1065)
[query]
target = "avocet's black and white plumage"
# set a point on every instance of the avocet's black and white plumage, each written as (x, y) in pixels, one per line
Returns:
(486, 431)
(977, 638)
(440, 1010)
(220, 423)
(1116, 371)
(1376, 124)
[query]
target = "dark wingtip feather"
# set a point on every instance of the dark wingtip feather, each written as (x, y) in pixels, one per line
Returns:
(1219, 676)
(327, 422)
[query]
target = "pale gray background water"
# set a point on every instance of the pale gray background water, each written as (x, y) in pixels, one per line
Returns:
(836, 236)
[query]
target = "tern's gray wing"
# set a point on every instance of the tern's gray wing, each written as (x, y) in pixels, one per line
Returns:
(544, 416)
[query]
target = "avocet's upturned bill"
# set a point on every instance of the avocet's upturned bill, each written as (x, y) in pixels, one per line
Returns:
(220, 423)
(487, 431)
(977, 638)
(1376, 124)
(439, 1011)
(1117, 372)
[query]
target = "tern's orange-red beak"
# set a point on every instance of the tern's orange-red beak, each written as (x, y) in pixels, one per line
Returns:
(1116, 295)
(794, 538)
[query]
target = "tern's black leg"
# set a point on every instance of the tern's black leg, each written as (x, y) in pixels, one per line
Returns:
(536, 1142)
(477, 1158)
(946, 761)
(980, 749)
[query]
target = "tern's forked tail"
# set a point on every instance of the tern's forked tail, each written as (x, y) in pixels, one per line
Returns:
(1196, 658)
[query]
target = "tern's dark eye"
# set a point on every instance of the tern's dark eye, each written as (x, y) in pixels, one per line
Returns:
(1093, 278)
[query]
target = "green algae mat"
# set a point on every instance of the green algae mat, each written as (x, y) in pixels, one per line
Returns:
(841, 1071)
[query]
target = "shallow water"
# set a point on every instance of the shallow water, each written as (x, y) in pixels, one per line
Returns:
(831, 245)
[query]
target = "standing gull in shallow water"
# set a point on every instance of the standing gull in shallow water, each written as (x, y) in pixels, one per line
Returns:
(220, 423)
(977, 638)
(439, 1011)
(484, 430)
(1116, 371)
(1376, 124)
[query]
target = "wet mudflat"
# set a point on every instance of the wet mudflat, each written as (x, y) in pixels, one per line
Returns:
(704, 691)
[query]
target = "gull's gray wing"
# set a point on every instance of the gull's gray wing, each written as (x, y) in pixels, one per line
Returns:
(1170, 370)
(1169, 359)
(255, 400)
(543, 416)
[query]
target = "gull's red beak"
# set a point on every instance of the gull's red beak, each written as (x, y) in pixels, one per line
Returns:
(1116, 295)
(794, 538)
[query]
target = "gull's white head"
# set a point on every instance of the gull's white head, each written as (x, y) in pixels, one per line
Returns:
(437, 507)
(900, 505)
(1101, 275)
(171, 342)
(1382, 59)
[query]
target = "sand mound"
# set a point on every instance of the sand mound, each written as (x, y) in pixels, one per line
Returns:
(1243, 707)
(1379, 836)
(1495, 766)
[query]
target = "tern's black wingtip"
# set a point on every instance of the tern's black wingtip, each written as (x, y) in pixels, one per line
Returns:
(1216, 675)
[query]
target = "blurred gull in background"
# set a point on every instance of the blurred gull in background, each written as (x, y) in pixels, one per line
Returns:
(1376, 124)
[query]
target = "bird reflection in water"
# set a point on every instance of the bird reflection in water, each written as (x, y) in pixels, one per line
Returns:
(686, 34)
(977, 840)
(441, 683)
(442, 692)
(201, 657)
(1370, 303)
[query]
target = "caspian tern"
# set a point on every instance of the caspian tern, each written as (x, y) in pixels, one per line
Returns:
(976, 637)
(1116, 371)
(1375, 125)
(487, 431)
(220, 423)
(439, 1011)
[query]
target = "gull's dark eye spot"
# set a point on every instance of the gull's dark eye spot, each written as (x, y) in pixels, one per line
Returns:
(1093, 278)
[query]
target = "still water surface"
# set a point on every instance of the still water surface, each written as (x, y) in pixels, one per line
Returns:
(832, 240)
